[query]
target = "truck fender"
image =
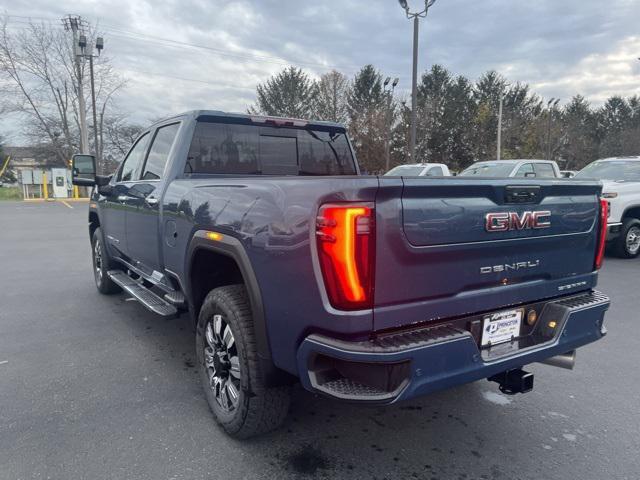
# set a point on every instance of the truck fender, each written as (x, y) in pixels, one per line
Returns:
(232, 247)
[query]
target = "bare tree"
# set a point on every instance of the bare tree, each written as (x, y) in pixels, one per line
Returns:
(41, 85)
(331, 95)
(119, 135)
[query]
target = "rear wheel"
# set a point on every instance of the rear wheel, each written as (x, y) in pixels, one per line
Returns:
(229, 367)
(628, 243)
(102, 263)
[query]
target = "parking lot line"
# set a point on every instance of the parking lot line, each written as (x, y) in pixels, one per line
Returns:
(3, 362)
(66, 204)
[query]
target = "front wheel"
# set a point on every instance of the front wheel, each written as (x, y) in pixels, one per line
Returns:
(628, 243)
(229, 367)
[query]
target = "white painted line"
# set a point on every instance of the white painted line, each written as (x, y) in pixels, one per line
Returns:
(3, 362)
(66, 204)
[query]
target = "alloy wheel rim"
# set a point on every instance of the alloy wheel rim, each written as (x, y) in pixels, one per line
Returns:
(222, 363)
(633, 240)
(97, 261)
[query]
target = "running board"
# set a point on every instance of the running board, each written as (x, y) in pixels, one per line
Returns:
(146, 297)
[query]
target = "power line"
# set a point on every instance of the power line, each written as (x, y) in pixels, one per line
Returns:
(259, 58)
(217, 84)
(153, 39)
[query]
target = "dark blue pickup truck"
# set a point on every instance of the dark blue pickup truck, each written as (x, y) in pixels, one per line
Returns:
(294, 267)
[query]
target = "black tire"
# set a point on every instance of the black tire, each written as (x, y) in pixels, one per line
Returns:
(627, 245)
(257, 408)
(102, 263)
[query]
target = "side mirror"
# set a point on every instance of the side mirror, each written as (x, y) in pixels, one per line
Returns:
(530, 174)
(83, 171)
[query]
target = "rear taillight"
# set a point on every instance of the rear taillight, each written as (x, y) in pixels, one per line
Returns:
(602, 233)
(345, 235)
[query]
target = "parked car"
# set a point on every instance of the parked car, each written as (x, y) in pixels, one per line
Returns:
(365, 289)
(568, 173)
(513, 168)
(420, 170)
(621, 188)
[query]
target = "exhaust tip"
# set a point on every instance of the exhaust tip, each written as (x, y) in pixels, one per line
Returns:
(566, 360)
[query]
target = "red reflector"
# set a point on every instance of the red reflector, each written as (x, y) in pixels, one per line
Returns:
(602, 233)
(345, 235)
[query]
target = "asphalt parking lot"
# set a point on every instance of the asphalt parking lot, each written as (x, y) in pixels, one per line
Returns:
(96, 387)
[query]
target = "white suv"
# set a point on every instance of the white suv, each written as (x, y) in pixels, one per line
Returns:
(621, 187)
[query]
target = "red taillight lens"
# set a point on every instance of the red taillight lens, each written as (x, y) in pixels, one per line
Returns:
(345, 235)
(602, 233)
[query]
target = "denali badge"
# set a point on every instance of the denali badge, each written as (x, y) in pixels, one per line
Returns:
(505, 221)
(510, 267)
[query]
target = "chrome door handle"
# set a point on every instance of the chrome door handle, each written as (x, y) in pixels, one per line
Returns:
(151, 200)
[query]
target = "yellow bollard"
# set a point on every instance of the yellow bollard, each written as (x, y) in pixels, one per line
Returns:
(75, 191)
(44, 183)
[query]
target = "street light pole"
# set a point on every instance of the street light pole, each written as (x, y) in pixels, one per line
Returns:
(99, 47)
(551, 104)
(414, 90)
(414, 80)
(499, 126)
(387, 118)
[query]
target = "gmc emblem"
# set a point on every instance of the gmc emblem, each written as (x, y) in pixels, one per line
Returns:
(505, 221)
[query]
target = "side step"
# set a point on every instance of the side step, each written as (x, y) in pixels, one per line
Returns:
(145, 296)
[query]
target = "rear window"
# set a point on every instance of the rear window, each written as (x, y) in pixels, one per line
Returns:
(544, 170)
(220, 148)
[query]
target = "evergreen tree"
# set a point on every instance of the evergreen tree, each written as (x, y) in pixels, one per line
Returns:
(614, 119)
(290, 93)
(580, 146)
(486, 93)
(368, 118)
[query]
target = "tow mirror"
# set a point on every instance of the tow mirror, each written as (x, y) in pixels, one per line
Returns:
(83, 170)
(530, 174)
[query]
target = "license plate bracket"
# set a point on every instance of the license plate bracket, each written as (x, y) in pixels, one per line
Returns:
(500, 327)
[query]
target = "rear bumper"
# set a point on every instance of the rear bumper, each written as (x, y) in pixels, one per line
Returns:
(409, 364)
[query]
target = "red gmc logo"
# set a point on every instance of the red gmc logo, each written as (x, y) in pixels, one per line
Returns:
(505, 221)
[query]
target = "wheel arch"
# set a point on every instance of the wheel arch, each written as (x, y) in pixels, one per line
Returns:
(631, 212)
(94, 223)
(231, 265)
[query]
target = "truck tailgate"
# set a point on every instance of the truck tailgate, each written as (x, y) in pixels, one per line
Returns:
(437, 258)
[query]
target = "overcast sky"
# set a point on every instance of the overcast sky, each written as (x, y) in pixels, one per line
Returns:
(559, 47)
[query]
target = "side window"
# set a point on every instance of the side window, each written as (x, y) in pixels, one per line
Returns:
(524, 169)
(435, 172)
(159, 152)
(133, 162)
(545, 170)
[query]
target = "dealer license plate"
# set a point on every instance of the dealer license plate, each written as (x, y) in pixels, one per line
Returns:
(501, 327)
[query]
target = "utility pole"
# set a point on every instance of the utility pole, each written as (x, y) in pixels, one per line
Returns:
(414, 80)
(74, 23)
(387, 118)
